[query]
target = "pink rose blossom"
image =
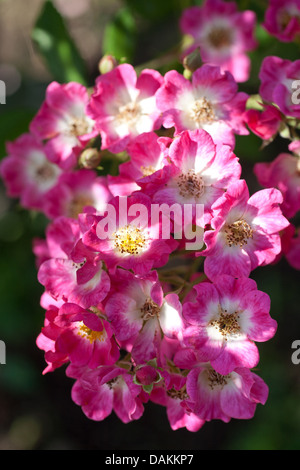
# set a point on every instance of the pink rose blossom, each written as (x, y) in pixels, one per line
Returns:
(123, 105)
(47, 342)
(63, 123)
(279, 79)
(101, 391)
(76, 191)
(148, 154)
(124, 237)
(78, 336)
(282, 173)
(282, 19)
(140, 313)
(28, 173)
(72, 273)
(199, 172)
(244, 231)
(172, 395)
(223, 34)
(215, 396)
(210, 101)
(266, 123)
(225, 320)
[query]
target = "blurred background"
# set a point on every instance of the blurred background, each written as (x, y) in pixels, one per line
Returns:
(63, 40)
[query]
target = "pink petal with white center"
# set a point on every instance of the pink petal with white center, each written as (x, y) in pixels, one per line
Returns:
(192, 150)
(63, 150)
(174, 84)
(59, 277)
(217, 85)
(224, 169)
(266, 213)
(236, 353)
(90, 399)
(66, 98)
(126, 403)
(233, 401)
(178, 418)
(236, 262)
(235, 289)
(221, 133)
(203, 310)
(125, 315)
(264, 248)
(144, 347)
(148, 83)
(206, 402)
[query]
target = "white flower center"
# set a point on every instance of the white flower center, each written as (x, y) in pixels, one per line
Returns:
(227, 324)
(79, 126)
(128, 113)
(202, 111)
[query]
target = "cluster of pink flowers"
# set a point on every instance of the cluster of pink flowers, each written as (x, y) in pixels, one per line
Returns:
(279, 91)
(136, 317)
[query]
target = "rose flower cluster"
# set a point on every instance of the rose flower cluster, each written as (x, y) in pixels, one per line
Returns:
(136, 316)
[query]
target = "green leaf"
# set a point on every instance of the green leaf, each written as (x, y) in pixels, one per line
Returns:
(13, 122)
(57, 47)
(156, 9)
(119, 38)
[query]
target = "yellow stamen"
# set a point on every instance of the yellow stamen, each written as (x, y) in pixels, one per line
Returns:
(130, 240)
(227, 323)
(91, 335)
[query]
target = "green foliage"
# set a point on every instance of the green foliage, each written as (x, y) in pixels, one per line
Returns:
(13, 123)
(57, 47)
(156, 9)
(120, 36)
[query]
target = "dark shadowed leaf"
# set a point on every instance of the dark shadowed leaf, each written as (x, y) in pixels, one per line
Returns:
(57, 47)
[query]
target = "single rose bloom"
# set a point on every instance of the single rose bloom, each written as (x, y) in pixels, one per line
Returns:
(282, 19)
(210, 101)
(63, 124)
(223, 34)
(124, 105)
(28, 173)
(245, 231)
(280, 84)
(224, 322)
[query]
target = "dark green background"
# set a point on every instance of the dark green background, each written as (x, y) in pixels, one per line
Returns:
(36, 411)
